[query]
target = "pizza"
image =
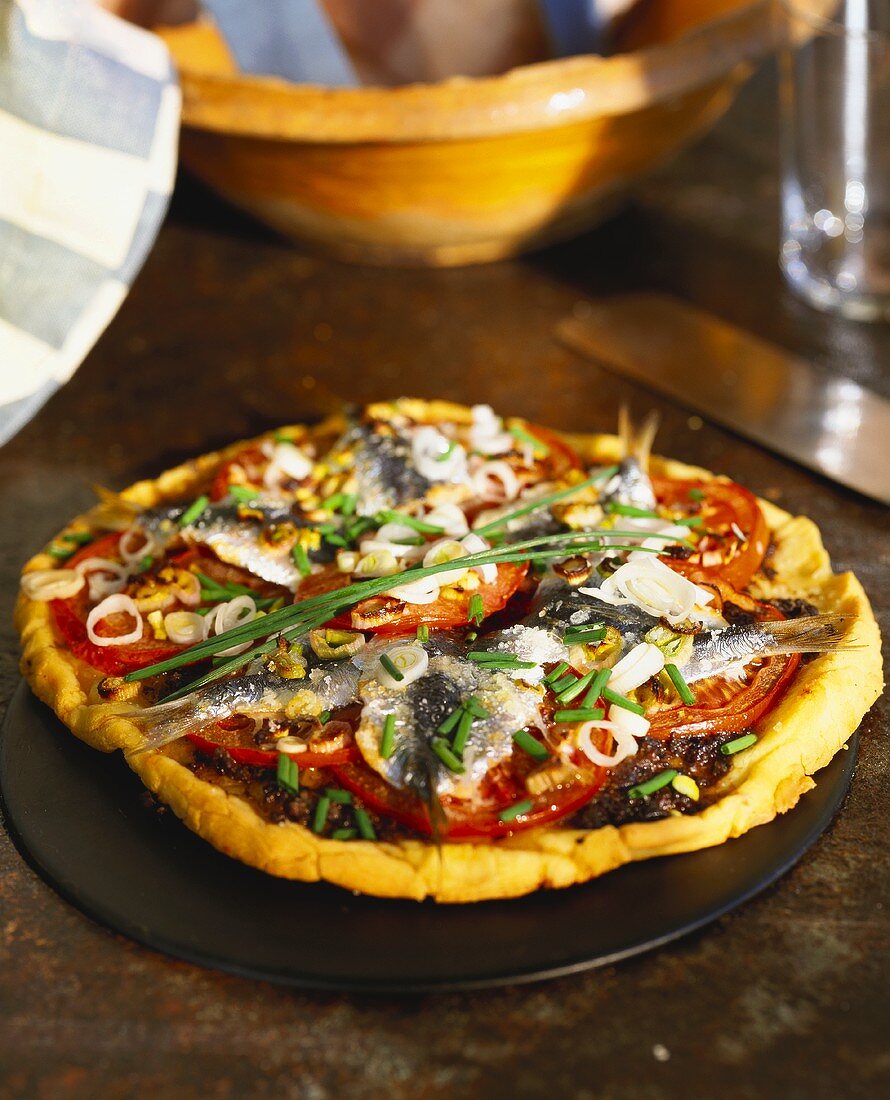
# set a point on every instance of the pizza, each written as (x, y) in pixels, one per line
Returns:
(424, 650)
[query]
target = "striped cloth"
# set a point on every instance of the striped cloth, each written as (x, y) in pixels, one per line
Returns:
(89, 123)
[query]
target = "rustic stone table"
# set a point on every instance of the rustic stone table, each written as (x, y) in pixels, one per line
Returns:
(787, 996)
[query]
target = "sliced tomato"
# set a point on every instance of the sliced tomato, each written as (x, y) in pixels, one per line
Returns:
(561, 456)
(725, 509)
(262, 758)
(386, 615)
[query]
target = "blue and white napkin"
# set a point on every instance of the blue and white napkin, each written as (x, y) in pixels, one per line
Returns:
(89, 123)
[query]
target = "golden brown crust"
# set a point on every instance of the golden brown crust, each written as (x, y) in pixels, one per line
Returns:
(815, 719)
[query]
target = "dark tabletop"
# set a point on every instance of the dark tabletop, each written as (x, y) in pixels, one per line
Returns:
(787, 996)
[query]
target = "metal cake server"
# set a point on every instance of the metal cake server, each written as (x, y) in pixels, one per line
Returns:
(827, 423)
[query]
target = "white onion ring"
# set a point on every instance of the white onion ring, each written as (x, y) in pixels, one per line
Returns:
(148, 546)
(227, 616)
(433, 459)
(450, 518)
(189, 593)
(184, 627)
(636, 667)
(111, 605)
(378, 563)
(475, 544)
(653, 587)
(387, 538)
(104, 576)
(52, 584)
(625, 743)
(499, 471)
(423, 591)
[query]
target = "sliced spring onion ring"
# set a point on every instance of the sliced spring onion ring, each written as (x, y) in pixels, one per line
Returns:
(442, 551)
(636, 667)
(113, 605)
(227, 616)
(435, 458)
(496, 481)
(450, 518)
(409, 660)
(475, 544)
(184, 627)
(136, 544)
(653, 587)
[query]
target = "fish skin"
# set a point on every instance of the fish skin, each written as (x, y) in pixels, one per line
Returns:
(256, 695)
(420, 708)
(714, 652)
(236, 540)
(717, 652)
(384, 469)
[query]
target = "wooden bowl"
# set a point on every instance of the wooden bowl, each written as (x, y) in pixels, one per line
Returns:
(464, 170)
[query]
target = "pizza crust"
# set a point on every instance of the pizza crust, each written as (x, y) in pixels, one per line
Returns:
(815, 719)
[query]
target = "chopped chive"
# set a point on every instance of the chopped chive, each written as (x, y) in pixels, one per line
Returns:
(596, 688)
(516, 810)
(563, 682)
(582, 714)
(409, 521)
(475, 707)
(244, 494)
(526, 437)
(336, 795)
(79, 538)
(321, 814)
(531, 745)
(476, 609)
(652, 785)
(423, 633)
(444, 753)
(696, 494)
(350, 502)
(483, 656)
(508, 664)
(332, 503)
(343, 834)
(365, 826)
(193, 511)
(448, 724)
(464, 725)
(554, 674)
(614, 508)
(387, 663)
(595, 634)
(687, 695)
(738, 743)
(288, 773)
(546, 500)
(146, 563)
(281, 437)
(621, 701)
(324, 717)
(689, 521)
(387, 739)
(447, 453)
(574, 690)
(301, 559)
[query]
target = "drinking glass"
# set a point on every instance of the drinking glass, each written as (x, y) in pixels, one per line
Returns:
(835, 152)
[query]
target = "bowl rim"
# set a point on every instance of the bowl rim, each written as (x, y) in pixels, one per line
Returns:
(543, 95)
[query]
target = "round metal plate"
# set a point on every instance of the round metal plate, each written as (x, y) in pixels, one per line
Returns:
(80, 818)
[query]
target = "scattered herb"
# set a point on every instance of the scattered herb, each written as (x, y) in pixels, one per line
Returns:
(516, 810)
(531, 745)
(687, 695)
(641, 790)
(193, 511)
(738, 744)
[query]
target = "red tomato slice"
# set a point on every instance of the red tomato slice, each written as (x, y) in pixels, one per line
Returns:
(396, 618)
(261, 758)
(725, 506)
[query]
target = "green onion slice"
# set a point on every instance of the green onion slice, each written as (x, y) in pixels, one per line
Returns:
(193, 511)
(622, 701)
(387, 739)
(516, 810)
(641, 790)
(387, 662)
(687, 695)
(531, 745)
(442, 749)
(738, 743)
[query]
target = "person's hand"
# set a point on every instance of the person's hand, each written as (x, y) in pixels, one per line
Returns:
(149, 13)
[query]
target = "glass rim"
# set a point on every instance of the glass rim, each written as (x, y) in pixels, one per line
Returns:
(826, 25)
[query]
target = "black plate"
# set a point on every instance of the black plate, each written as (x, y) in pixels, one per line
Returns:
(79, 817)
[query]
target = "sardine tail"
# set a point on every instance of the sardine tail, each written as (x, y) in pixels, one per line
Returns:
(637, 439)
(812, 634)
(165, 722)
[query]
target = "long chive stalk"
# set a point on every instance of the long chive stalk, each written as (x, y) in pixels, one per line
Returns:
(545, 501)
